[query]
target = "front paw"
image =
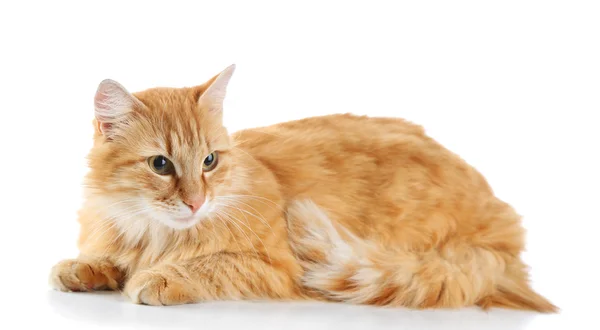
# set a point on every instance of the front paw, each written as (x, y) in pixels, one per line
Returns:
(159, 287)
(78, 275)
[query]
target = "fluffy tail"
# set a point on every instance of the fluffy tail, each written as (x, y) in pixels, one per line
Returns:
(517, 294)
(342, 267)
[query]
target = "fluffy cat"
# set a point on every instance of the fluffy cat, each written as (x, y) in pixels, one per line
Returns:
(336, 208)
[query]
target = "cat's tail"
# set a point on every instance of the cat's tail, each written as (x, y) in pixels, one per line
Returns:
(515, 293)
(343, 267)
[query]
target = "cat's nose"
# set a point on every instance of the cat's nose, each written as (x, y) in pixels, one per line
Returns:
(194, 203)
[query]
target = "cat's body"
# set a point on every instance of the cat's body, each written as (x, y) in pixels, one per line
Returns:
(341, 207)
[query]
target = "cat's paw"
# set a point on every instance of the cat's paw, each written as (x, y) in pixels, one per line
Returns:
(78, 275)
(158, 287)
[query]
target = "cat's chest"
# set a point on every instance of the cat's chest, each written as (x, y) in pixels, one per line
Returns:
(155, 253)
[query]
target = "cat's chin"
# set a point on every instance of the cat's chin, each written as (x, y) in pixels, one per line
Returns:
(181, 223)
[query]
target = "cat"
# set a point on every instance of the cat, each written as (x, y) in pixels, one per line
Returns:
(338, 208)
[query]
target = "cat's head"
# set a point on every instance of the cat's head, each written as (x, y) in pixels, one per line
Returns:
(161, 154)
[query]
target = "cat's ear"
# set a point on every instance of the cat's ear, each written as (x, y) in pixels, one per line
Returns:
(112, 104)
(213, 92)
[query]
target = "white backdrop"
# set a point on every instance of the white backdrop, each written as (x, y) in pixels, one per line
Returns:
(512, 86)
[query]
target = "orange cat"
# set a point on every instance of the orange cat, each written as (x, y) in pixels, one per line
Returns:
(338, 208)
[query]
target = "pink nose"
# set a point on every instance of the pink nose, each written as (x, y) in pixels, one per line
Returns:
(194, 203)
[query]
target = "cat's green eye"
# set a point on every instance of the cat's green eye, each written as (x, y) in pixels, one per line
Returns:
(161, 165)
(210, 162)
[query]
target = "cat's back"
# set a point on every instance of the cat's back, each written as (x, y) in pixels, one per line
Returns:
(331, 131)
(349, 148)
(348, 125)
(367, 172)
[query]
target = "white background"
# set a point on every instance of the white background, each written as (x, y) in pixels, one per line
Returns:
(512, 86)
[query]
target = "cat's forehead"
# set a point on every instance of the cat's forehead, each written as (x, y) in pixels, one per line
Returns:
(174, 123)
(163, 99)
(174, 112)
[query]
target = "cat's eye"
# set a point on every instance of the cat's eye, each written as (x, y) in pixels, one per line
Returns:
(161, 165)
(210, 162)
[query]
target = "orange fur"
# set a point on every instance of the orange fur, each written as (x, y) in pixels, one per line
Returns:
(341, 207)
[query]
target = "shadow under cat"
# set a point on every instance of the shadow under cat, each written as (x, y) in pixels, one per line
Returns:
(111, 309)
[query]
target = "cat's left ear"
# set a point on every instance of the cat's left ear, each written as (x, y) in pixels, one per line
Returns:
(213, 95)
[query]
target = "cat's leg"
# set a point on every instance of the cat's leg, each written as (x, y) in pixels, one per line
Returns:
(220, 276)
(85, 274)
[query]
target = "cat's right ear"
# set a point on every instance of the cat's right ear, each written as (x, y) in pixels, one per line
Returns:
(112, 104)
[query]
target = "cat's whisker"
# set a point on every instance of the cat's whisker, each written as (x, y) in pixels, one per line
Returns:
(225, 221)
(109, 222)
(234, 222)
(123, 215)
(121, 201)
(237, 198)
(264, 221)
(261, 218)
(246, 153)
(253, 232)
(104, 226)
(237, 242)
(127, 217)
